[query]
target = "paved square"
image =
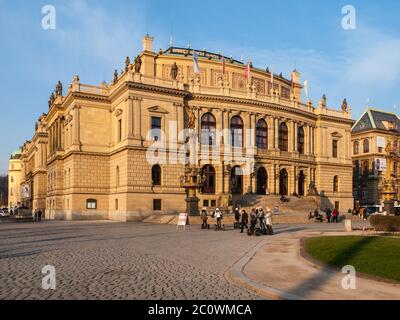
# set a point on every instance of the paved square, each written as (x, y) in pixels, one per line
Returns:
(106, 260)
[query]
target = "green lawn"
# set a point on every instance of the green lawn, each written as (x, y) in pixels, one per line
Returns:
(379, 256)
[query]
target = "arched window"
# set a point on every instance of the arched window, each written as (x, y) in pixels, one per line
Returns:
(237, 131)
(208, 172)
(300, 140)
(208, 126)
(117, 177)
(283, 137)
(336, 184)
(366, 146)
(356, 147)
(262, 134)
(156, 175)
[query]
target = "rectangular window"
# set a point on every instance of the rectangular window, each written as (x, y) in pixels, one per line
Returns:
(91, 204)
(213, 203)
(157, 204)
(156, 128)
(119, 130)
(334, 148)
(337, 205)
(116, 204)
(205, 203)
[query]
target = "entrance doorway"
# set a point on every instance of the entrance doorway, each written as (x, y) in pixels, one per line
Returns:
(262, 181)
(237, 180)
(283, 183)
(301, 183)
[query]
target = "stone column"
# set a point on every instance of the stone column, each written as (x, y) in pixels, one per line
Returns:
(76, 123)
(271, 134)
(291, 136)
(296, 128)
(295, 179)
(129, 117)
(276, 120)
(137, 114)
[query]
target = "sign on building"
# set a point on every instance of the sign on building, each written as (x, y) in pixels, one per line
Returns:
(380, 164)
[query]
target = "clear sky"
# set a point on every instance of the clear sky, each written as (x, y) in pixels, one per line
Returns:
(93, 37)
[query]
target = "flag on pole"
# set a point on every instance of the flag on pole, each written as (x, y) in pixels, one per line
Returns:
(306, 88)
(196, 68)
(247, 74)
(223, 66)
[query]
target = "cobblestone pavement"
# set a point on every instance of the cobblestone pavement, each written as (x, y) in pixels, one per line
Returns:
(107, 260)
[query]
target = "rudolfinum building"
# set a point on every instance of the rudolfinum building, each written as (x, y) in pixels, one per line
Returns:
(89, 157)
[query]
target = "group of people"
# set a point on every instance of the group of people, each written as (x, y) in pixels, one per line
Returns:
(37, 215)
(332, 216)
(259, 220)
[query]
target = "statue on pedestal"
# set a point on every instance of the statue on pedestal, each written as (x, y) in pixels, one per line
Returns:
(344, 105)
(59, 89)
(115, 77)
(174, 71)
(127, 64)
(138, 64)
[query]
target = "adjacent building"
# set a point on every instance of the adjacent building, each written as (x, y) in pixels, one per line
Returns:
(113, 151)
(14, 179)
(370, 136)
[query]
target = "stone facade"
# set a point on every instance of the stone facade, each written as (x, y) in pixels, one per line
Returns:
(97, 140)
(370, 135)
(14, 180)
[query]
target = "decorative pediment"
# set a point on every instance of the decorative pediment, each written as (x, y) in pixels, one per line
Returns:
(336, 135)
(157, 109)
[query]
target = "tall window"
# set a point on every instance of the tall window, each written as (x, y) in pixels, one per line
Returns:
(119, 130)
(156, 128)
(334, 148)
(300, 140)
(356, 147)
(237, 131)
(283, 137)
(335, 184)
(208, 126)
(366, 146)
(156, 175)
(262, 134)
(209, 179)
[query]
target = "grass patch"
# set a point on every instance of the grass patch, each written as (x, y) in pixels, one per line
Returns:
(378, 256)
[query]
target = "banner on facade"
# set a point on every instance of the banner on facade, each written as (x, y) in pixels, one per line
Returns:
(25, 191)
(380, 164)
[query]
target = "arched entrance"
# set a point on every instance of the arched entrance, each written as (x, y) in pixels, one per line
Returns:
(209, 179)
(301, 183)
(237, 180)
(283, 182)
(262, 181)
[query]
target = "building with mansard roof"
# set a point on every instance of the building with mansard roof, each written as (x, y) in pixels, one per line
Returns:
(93, 155)
(370, 136)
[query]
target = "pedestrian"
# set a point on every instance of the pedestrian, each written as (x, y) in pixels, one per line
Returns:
(237, 218)
(245, 220)
(335, 215)
(204, 218)
(253, 222)
(35, 216)
(218, 217)
(268, 220)
(328, 213)
(40, 215)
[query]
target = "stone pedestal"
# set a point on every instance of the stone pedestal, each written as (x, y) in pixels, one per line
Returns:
(348, 225)
(192, 206)
(389, 206)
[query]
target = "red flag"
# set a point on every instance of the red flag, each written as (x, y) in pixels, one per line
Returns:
(247, 74)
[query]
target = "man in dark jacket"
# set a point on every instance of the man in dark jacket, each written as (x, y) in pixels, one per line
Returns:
(245, 220)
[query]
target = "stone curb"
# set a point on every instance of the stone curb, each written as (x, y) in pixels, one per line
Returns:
(236, 276)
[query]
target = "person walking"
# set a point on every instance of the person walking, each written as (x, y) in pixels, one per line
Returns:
(218, 217)
(204, 218)
(35, 215)
(40, 215)
(237, 218)
(268, 221)
(245, 220)
(253, 222)
(328, 213)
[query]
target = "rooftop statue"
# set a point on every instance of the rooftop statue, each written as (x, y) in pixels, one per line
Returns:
(174, 71)
(115, 76)
(59, 89)
(127, 64)
(344, 105)
(138, 64)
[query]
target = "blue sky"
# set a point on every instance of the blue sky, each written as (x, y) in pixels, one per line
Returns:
(93, 38)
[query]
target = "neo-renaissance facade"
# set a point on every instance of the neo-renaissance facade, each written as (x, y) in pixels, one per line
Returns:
(89, 158)
(370, 137)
